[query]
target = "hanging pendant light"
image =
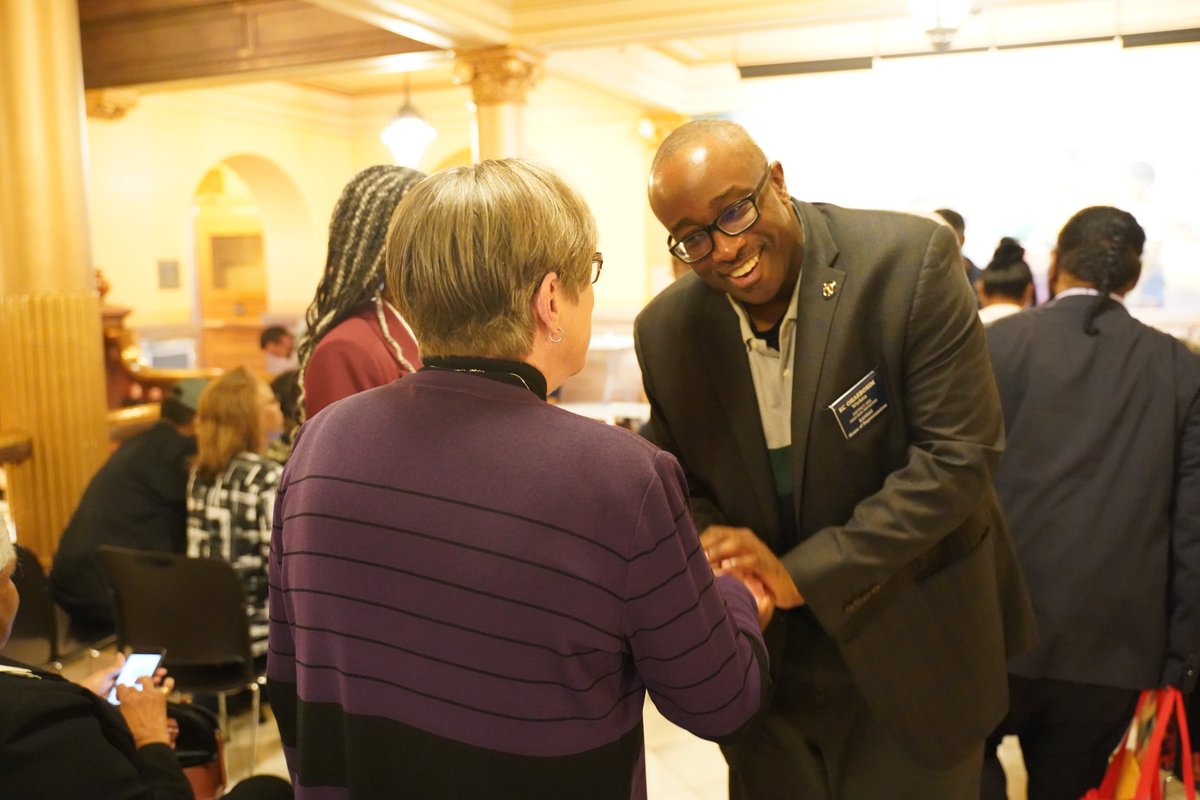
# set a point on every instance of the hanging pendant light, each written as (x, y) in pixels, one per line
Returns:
(408, 134)
(940, 19)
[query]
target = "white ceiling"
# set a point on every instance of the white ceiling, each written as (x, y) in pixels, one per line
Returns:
(679, 54)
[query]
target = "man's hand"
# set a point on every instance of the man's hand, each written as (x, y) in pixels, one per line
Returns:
(737, 551)
(762, 598)
(145, 710)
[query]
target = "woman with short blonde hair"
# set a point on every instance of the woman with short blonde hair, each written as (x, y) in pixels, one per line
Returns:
(473, 589)
(463, 278)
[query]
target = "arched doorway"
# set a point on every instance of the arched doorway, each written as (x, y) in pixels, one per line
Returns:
(251, 231)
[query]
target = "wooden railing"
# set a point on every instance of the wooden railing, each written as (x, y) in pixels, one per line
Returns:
(126, 365)
(15, 446)
(124, 423)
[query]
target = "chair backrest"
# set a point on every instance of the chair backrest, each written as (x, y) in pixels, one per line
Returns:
(34, 637)
(195, 608)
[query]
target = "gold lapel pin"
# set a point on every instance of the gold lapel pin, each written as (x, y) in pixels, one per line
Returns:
(828, 288)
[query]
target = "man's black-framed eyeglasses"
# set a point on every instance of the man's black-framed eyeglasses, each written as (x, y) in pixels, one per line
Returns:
(735, 219)
(597, 265)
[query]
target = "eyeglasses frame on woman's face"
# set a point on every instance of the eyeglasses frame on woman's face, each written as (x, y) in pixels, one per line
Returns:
(597, 265)
(732, 211)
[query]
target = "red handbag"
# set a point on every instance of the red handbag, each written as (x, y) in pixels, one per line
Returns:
(1132, 773)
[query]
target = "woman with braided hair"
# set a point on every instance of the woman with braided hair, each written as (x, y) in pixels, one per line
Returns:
(356, 338)
(1099, 252)
(1100, 478)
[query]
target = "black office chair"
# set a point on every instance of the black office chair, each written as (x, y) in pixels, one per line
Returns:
(194, 608)
(42, 634)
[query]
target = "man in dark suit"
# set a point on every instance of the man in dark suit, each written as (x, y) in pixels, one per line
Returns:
(1101, 481)
(955, 220)
(823, 379)
(136, 499)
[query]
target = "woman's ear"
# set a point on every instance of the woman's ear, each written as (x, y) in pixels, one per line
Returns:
(545, 302)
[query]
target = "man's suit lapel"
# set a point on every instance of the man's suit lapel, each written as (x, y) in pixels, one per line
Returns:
(729, 372)
(821, 288)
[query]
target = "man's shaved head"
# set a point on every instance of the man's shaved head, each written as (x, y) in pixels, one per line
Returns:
(702, 133)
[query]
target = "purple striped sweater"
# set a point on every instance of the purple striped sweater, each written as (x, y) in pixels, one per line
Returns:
(471, 590)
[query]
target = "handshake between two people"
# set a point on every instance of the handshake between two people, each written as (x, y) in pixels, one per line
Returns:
(738, 552)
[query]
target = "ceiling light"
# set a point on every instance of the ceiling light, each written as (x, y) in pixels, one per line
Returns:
(408, 134)
(940, 19)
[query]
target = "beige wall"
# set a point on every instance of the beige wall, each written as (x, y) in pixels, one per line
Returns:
(594, 141)
(291, 146)
(590, 137)
(297, 147)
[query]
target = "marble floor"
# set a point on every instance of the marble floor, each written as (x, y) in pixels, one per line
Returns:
(679, 766)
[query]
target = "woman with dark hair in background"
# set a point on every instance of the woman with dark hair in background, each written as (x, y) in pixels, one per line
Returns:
(1006, 285)
(231, 494)
(356, 339)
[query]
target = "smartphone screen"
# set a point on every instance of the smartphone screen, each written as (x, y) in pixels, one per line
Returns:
(137, 665)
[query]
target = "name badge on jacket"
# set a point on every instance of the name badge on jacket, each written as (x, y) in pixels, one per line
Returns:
(860, 405)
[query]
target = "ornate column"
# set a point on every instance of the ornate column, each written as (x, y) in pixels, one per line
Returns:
(51, 358)
(500, 78)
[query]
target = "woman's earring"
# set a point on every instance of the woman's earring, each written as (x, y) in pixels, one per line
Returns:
(550, 336)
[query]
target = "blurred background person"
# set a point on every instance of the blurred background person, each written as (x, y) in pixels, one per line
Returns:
(356, 339)
(286, 386)
(231, 494)
(136, 499)
(1101, 482)
(279, 347)
(1006, 285)
(959, 225)
(459, 599)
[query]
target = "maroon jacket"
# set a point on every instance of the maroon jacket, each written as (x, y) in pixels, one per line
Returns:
(355, 356)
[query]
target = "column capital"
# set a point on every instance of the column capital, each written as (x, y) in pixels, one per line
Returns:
(501, 74)
(654, 126)
(110, 103)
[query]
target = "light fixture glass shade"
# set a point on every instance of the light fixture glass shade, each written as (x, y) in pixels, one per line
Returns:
(407, 136)
(940, 18)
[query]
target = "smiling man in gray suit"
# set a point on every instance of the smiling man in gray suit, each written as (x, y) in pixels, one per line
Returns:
(822, 377)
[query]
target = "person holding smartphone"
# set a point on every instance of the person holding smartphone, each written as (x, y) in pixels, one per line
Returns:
(63, 739)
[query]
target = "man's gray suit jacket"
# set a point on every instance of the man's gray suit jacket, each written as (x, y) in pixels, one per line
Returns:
(904, 555)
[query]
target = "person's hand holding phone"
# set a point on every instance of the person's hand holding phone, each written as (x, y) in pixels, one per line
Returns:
(144, 708)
